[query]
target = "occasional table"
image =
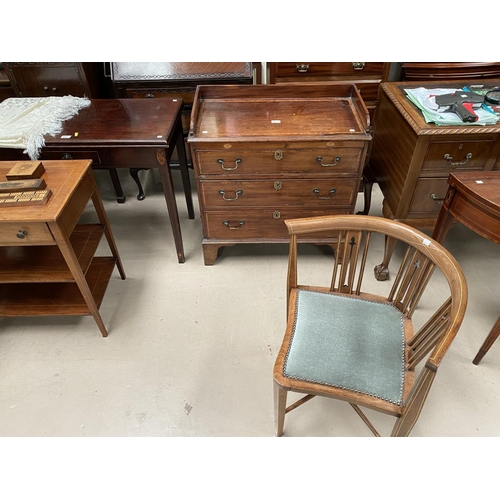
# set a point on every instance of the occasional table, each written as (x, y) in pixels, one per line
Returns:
(473, 198)
(47, 263)
(125, 133)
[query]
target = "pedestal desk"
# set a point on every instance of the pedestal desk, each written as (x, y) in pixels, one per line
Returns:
(411, 160)
(47, 263)
(266, 153)
(473, 198)
(125, 133)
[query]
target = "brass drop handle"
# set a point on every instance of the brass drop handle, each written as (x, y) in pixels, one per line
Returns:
(228, 224)
(438, 201)
(22, 233)
(66, 156)
(236, 164)
(358, 66)
(237, 193)
(149, 96)
(449, 159)
(316, 191)
(336, 161)
(302, 68)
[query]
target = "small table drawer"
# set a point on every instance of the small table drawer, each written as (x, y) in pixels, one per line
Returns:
(311, 161)
(258, 224)
(314, 192)
(19, 234)
(61, 154)
(328, 70)
(447, 156)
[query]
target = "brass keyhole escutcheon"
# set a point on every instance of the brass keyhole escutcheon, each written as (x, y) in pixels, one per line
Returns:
(276, 214)
(277, 185)
(278, 154)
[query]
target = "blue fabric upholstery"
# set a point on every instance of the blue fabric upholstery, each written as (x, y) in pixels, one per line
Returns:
(347, 342)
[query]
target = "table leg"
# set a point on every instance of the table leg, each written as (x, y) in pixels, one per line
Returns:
(490, 340)
(103, 219)
(72, 261)
(183, 164)
(120, 197)
(168, 191)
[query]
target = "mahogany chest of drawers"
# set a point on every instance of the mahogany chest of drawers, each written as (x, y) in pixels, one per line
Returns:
(266, 153)
(411, 159)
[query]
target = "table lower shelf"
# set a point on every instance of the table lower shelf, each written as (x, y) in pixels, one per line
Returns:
(56, 299)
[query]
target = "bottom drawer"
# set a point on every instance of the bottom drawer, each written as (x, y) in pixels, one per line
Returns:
(423, 203)
(257, 225)
(21, 234)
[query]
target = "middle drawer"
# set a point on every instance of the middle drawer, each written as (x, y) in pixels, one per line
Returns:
(314, 192)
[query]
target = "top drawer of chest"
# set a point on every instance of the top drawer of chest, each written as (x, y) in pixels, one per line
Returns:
(330, 70)
(328, 158)
(459, 153)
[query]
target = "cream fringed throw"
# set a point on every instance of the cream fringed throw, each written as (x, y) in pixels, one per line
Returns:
(24, 121)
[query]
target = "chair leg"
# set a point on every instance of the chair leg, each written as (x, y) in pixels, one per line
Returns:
(280, 395)
(490, 340)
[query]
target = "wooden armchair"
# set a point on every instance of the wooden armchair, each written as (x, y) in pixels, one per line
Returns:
(353, 339)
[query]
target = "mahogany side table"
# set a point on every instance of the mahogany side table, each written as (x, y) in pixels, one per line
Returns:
(125, 133)
(47, 263)
(473, 198)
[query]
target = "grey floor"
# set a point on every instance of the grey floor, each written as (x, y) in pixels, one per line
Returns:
(191, 347)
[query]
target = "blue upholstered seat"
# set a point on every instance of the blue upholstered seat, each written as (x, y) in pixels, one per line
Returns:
(348, 342)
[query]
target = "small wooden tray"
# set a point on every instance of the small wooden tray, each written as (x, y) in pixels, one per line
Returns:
(25, 198)
(22, 185)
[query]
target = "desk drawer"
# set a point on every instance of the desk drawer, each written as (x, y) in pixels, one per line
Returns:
(184, 93)
(257, 224)
(449, 156)
(316, 160)
(20, 233)
(61, 154)
(316, 192)
(330, 70)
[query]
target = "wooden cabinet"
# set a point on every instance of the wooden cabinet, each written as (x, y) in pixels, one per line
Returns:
(449, 70)
(44, 79)
(411, 160)
(266, 153)
(47, 262)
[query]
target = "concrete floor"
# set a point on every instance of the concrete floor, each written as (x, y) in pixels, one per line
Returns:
(191, 348)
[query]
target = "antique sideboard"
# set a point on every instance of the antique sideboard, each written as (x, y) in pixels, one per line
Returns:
(411, 159)
(266, 153)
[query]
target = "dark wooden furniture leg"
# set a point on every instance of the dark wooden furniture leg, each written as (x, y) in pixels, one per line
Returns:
(181, 153)
(168, 190)
(490, 340)
(367, 184)
(134, 173)
(120, 197)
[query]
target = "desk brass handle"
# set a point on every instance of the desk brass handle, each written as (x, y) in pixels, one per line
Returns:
(228, 224)
(438, 201)
(336, 161)
(236, 164)
(316, 191)
(358, 66)
(22, 233)
(449, 159)
(66, 156)
(149, 96)
(302, 68)
(237, 193)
